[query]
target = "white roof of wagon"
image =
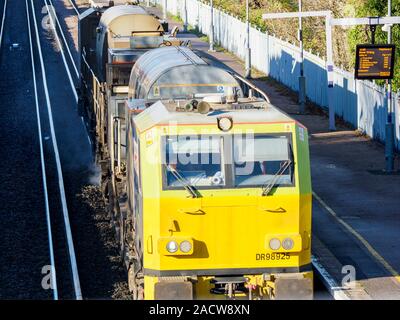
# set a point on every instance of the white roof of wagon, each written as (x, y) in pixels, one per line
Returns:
(154, 63)
(123, 20)
(165, 61)
(117, 11)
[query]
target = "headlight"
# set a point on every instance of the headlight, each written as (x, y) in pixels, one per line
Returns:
(287, 244)
(175, 246)
(185, 246)
(274, 244)
(172, 247)
(225, 123)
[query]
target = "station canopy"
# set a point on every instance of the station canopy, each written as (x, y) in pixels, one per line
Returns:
(178, 73)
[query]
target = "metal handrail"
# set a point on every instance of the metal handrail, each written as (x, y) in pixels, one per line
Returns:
(252, 86)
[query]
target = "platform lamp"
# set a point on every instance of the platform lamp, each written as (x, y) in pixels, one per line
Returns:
(248, 50)
(302, 78)
(165, 10)
(389, 127)
(211, 37)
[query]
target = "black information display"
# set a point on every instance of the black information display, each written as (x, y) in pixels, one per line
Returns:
(375, 61)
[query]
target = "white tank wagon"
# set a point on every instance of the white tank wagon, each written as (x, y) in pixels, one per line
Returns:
(124, 33)
(110, 42)
(178, 73)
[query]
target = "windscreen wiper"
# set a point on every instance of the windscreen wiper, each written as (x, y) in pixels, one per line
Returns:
(266, 188)
(193, 192)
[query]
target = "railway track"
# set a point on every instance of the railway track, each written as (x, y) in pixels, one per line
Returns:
(71, 64)
(68, 248)
(65, 274)
(92, 238)
(56, 239)
(38, 251)
(3, 18)
(47, 166)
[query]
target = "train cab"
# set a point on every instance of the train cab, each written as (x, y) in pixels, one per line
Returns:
(219, 200)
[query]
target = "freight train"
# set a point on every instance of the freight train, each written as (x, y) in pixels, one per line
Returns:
(208, 184)
(110, 41)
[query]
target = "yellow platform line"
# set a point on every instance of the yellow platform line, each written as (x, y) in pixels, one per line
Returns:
(366, 244)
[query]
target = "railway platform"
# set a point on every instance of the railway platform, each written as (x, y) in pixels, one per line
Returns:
(356, 208)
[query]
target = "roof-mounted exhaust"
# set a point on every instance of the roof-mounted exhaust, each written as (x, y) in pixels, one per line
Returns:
(202, 107)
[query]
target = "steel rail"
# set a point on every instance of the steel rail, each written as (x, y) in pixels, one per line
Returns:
(63, 36)
(43, 166)
(2, 21)
(62, 52)
(70, 55)
(70, 244)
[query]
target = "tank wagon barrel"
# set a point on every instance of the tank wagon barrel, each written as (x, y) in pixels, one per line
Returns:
(110, 42)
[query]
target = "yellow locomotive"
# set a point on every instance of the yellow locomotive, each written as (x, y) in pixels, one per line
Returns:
(215, 193)
(208, 184)
(221, 202)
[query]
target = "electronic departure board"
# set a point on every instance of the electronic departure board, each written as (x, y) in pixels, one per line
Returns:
(375, 61)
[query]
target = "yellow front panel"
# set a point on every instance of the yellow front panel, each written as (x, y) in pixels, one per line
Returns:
(229, 227)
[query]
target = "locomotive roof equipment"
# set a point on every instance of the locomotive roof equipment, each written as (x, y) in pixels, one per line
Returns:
(177, 72)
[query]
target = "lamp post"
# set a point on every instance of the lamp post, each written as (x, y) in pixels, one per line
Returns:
(389, 129)
(329, 51)
(248, 50)
(165, 11)
(211, 37)
(185, 22)
(302, 79)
